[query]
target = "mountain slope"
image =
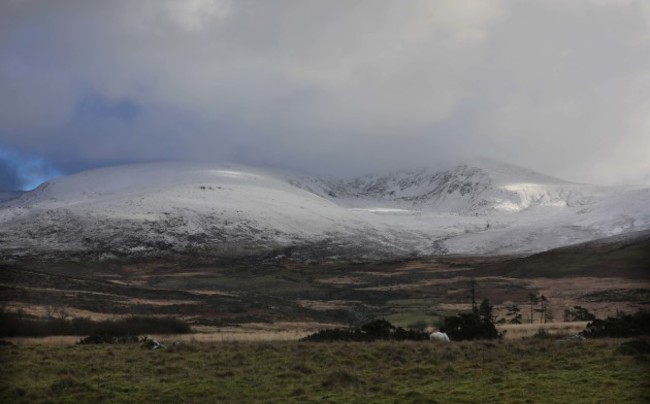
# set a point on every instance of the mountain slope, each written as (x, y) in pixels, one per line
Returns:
(626, 255)
(480, 188)
(169, 207)
(231, 210)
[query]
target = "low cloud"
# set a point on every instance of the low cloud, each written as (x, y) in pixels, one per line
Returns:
(331, 87)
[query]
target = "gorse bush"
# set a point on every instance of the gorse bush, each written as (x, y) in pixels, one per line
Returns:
(15, 325)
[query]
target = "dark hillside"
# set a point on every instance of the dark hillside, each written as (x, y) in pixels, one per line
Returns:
(619, 256)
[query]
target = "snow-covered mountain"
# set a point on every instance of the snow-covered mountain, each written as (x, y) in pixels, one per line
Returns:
(231, 210)
(481, 188)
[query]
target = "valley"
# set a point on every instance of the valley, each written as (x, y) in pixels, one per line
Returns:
(604, 277)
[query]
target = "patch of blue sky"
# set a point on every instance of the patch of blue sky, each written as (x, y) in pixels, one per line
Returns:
(24, 171)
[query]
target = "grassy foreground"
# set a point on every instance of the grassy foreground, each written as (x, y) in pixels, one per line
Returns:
(529, 371)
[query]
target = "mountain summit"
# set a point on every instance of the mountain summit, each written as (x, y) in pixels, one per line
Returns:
(479, 188)
(231, 211)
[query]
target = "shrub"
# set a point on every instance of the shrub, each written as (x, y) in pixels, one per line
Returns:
(378, 329)
(15, 325)
(619, 327)
(372, 331)
(109, 339)
(578, 314)
(469, 326)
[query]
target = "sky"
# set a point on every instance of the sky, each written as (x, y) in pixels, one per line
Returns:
(328, 87)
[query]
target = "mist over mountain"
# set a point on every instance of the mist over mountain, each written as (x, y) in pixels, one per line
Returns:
(226, 210)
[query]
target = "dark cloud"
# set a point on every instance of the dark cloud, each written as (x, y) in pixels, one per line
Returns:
(330, 86)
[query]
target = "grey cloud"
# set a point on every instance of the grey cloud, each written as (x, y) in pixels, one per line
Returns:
(331, 86)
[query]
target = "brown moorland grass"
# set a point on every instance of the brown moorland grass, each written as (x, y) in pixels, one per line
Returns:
(527, 371)
(406, 292)
(518, 331)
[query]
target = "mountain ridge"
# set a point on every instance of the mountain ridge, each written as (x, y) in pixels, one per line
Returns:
(234, 210)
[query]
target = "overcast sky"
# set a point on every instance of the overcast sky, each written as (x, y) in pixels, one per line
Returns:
(335, 87)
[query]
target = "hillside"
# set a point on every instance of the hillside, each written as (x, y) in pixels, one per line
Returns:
(482, 187)
(626, 255)
(233, 211)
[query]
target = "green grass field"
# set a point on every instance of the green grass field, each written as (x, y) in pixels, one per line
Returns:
(527, 371)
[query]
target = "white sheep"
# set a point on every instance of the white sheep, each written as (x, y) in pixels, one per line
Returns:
(439, 336)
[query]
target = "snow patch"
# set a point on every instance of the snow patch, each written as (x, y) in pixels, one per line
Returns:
(383, 210)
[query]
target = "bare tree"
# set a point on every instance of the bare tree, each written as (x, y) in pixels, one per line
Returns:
(546, 314)
(473, 291)
(515, 313)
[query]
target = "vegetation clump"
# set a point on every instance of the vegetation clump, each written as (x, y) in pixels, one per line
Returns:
(111, 339)
(578, 314)
(624, 326)
(373, 331)
(479, 324)
(469, 326)
(17, 325)
(476, 325)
